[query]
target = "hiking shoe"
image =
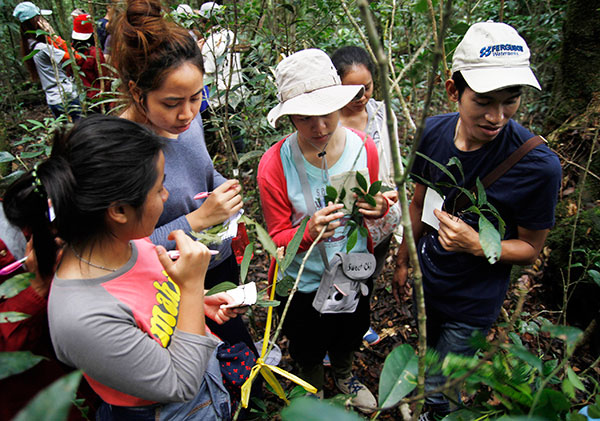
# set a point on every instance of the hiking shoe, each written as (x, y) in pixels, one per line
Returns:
(363, 398)
(326, 361)
(371, 337)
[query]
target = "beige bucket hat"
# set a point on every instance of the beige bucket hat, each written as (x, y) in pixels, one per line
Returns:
(308, 84)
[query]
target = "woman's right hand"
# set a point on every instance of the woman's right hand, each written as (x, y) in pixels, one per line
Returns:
(189, 270)
(223, 202)
(329, 216)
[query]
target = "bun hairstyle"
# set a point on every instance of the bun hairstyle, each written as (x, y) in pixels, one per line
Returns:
(146, 46)
(101, 161)
(346, 57)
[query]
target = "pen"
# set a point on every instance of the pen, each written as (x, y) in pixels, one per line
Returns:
(174, 254)
(13, 266)
(202, 195)
(205, 194)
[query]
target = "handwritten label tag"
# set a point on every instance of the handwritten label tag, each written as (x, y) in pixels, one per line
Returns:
(432, 201)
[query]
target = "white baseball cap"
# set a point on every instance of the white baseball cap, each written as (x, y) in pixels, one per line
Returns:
(492, 56)
(308, 84)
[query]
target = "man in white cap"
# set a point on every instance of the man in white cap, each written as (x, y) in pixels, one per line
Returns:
(463, 290)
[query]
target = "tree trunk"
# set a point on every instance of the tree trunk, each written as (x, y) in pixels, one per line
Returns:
(578, 76)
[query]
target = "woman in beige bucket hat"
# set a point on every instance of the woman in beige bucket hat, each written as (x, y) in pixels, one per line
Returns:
(311, 94)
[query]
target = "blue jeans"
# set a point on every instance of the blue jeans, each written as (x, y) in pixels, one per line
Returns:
(444, 336)
(211, 403)
(73, 110)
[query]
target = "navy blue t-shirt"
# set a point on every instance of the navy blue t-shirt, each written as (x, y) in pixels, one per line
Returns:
(462, 286)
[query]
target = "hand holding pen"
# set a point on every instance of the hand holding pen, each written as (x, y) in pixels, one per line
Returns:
(220, 204)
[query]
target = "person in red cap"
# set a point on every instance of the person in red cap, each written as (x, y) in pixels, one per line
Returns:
(91, 58)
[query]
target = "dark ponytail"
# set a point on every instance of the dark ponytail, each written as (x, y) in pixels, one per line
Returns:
(26, 206)
(101, 161)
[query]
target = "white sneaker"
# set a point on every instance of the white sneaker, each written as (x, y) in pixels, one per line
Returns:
(363, 398)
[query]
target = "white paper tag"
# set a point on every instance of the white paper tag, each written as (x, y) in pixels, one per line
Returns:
(244, 295)
(432, 201)
(232, 225)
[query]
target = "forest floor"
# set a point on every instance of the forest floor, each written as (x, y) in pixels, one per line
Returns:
(396, 325)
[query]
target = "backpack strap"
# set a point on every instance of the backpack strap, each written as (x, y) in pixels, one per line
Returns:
(310, 202)
(462, 200)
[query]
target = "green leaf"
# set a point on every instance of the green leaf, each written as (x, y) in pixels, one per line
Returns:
(454, 161)
(352, 239)
(574, 378)
(13, 316)
(16, 284)
(516, 339)
(574, 416)
(246, 262)
(398, 377)
(441, 167)
(576, 265)
(331, 194)
(250, 155)
(28, 155)
(222, 287)
(370, 200)
(6, 157)
(12, 177)
(358, 191)
(362, 182)
(363, 231)
(54, 402)
(501, 223)
(489, 238)
(462, 415)
(375, 188)
(267, 303)
(421, 6)
(12, 363)
(284, 286)
(481, 196)
(595, 275)
(292, 248)
(263, 237)
(343, 194)
(310, 409)
(594, 410)
(523, 354)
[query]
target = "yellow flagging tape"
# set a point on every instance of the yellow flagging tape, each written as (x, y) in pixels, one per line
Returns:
(267, 370)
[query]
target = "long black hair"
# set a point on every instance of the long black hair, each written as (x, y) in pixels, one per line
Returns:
(101, 161)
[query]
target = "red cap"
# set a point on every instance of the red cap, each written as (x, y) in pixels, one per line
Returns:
(82, 27)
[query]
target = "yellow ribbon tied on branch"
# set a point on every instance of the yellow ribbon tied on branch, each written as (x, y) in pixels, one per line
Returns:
(268, 370)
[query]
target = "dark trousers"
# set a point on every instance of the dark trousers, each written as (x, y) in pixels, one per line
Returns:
(73, 110)
(446, 335)
(311, 335)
